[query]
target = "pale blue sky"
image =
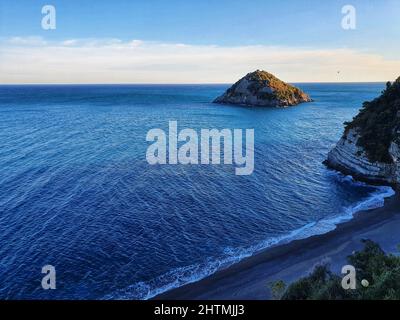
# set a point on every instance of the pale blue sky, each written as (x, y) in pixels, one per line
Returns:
(303, 24)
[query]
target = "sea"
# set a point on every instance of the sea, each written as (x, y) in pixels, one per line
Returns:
(77, 193)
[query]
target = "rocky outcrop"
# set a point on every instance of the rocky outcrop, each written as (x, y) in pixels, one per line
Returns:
(351, 159)
(261, 88)
(369, 149)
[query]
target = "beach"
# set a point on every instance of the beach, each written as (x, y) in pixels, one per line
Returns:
(250, 278)
(115, 227)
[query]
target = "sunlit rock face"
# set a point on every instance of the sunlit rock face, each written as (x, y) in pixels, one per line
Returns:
(263, 89)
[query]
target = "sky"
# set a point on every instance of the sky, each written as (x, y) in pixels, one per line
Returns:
(193, 41)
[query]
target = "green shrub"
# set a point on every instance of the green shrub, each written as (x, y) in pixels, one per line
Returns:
(277, 289)
(381, 270)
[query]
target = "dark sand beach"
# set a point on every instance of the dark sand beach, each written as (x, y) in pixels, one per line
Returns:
(249, 279)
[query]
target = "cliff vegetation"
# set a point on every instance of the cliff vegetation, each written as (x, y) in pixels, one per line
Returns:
(378, 123)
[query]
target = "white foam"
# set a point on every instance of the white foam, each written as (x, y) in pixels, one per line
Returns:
(185, 275)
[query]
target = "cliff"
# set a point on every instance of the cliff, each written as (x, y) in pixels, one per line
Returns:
(369, 149)
(261, 88)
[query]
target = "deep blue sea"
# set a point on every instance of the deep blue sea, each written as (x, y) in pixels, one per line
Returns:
(76, 191)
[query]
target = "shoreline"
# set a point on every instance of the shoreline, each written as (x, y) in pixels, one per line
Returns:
(249, 278)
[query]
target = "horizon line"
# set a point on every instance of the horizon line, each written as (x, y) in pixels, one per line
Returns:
(185, 83)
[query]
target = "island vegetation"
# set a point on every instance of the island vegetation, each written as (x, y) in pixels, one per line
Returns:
(261, 88)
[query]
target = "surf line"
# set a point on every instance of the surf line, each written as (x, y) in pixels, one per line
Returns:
(189, 147)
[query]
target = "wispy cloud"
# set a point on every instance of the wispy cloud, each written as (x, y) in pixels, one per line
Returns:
(25, 41)
(35, 60)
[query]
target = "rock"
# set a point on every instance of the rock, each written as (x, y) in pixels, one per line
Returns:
(261, 88)
(369, 149)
